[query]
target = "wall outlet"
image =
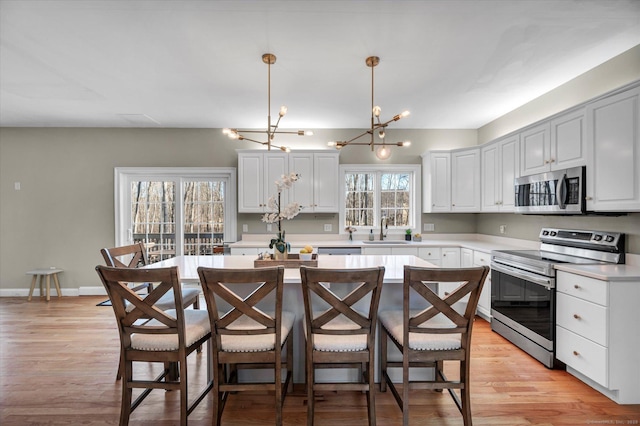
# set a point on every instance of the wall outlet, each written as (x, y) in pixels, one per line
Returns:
(327, 227)
(269, 227)
(245, 227)
(16, 186)
(428, 227)
(503, 229)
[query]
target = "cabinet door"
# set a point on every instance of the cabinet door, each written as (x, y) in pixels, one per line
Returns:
(491, 179)
(450, 257)
(613, 146)
(466, 258)
(250, 183)
(302, 191)
(275, 165)
(509, 171)
(535, 146)
(326, 187)
(568, 140)
(465, 180)
(437, 182)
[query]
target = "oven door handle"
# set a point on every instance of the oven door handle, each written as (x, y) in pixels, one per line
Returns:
(519, 273)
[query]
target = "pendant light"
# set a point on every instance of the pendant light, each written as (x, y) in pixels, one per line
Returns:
(383, 151)
(272, 129)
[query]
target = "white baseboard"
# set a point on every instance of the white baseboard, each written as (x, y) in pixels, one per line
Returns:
(82, 291)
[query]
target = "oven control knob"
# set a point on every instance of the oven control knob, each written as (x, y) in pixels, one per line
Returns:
(553, 233)
(609, 238)
(545, 233)
(597, 237)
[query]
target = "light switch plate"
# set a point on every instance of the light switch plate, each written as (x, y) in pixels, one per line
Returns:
(327, 227)
(429, 227)
(245, 227)
(269, 227)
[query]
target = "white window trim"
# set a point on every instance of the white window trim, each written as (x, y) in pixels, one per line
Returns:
(124, 175)
(416, 192)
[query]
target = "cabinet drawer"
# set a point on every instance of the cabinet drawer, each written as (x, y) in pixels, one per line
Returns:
(481, 259)
(411, 251)
(583, 287)
(583, 355)
(428, 253)
(582, 317)
(444, 289)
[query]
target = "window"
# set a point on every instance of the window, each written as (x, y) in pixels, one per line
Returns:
(373, 193)
(175, 211)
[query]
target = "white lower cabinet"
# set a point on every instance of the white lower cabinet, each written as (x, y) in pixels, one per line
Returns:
(470, 258)
(481, 258)
(430, 254)
(248, 251)
(600, 345)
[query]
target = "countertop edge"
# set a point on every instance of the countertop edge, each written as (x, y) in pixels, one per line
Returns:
(604, 272)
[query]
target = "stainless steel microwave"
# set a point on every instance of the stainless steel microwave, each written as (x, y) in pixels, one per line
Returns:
(557, 192)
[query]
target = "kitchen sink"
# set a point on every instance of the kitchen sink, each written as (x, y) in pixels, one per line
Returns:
(386, 242)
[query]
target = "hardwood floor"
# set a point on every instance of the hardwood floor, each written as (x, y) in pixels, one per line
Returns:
(58, 362)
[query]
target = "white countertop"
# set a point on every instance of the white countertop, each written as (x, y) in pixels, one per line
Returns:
(604, 272)
(471, 241)
(394, 265)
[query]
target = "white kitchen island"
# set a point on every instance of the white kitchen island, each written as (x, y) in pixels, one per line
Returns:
(391, 293)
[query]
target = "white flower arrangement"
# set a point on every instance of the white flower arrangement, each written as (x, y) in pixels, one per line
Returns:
(279, 213)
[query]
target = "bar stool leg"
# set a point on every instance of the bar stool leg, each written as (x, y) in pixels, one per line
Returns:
(41, 285)
(48, 287)
(33, 286)
(57, 284)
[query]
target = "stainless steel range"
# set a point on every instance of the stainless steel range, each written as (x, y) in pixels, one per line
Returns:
(523, 285)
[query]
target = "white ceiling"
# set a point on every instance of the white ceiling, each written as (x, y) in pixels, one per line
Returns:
(454, 64)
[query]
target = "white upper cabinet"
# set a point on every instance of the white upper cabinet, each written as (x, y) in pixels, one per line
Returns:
(568, 140)
(436, 170)
(500, 165)
(613, 146)
(317, 189)
(257, 174)
(535, 150)
(451, 181)
(465, 180)
(554, 145)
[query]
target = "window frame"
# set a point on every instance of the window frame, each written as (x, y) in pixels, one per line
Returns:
(123, 176)
(415, 195)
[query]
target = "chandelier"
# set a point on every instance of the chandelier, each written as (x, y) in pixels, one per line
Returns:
(272, 129)
(382, 151)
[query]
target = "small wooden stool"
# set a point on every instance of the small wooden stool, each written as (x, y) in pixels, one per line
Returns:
(45, 273)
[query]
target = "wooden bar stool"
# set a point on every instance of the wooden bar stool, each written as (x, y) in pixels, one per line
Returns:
(42, 273)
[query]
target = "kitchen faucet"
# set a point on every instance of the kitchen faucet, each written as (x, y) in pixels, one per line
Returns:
(386, 226)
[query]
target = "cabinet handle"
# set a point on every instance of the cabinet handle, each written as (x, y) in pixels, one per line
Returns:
(546, 161)
(576, 316)
(576, 353)
(444, 254)
(588, 198)
(453, 205)
(576, 286)
(446, 293)
(552, 161)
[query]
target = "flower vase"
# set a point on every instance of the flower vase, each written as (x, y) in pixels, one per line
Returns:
(278, 255)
